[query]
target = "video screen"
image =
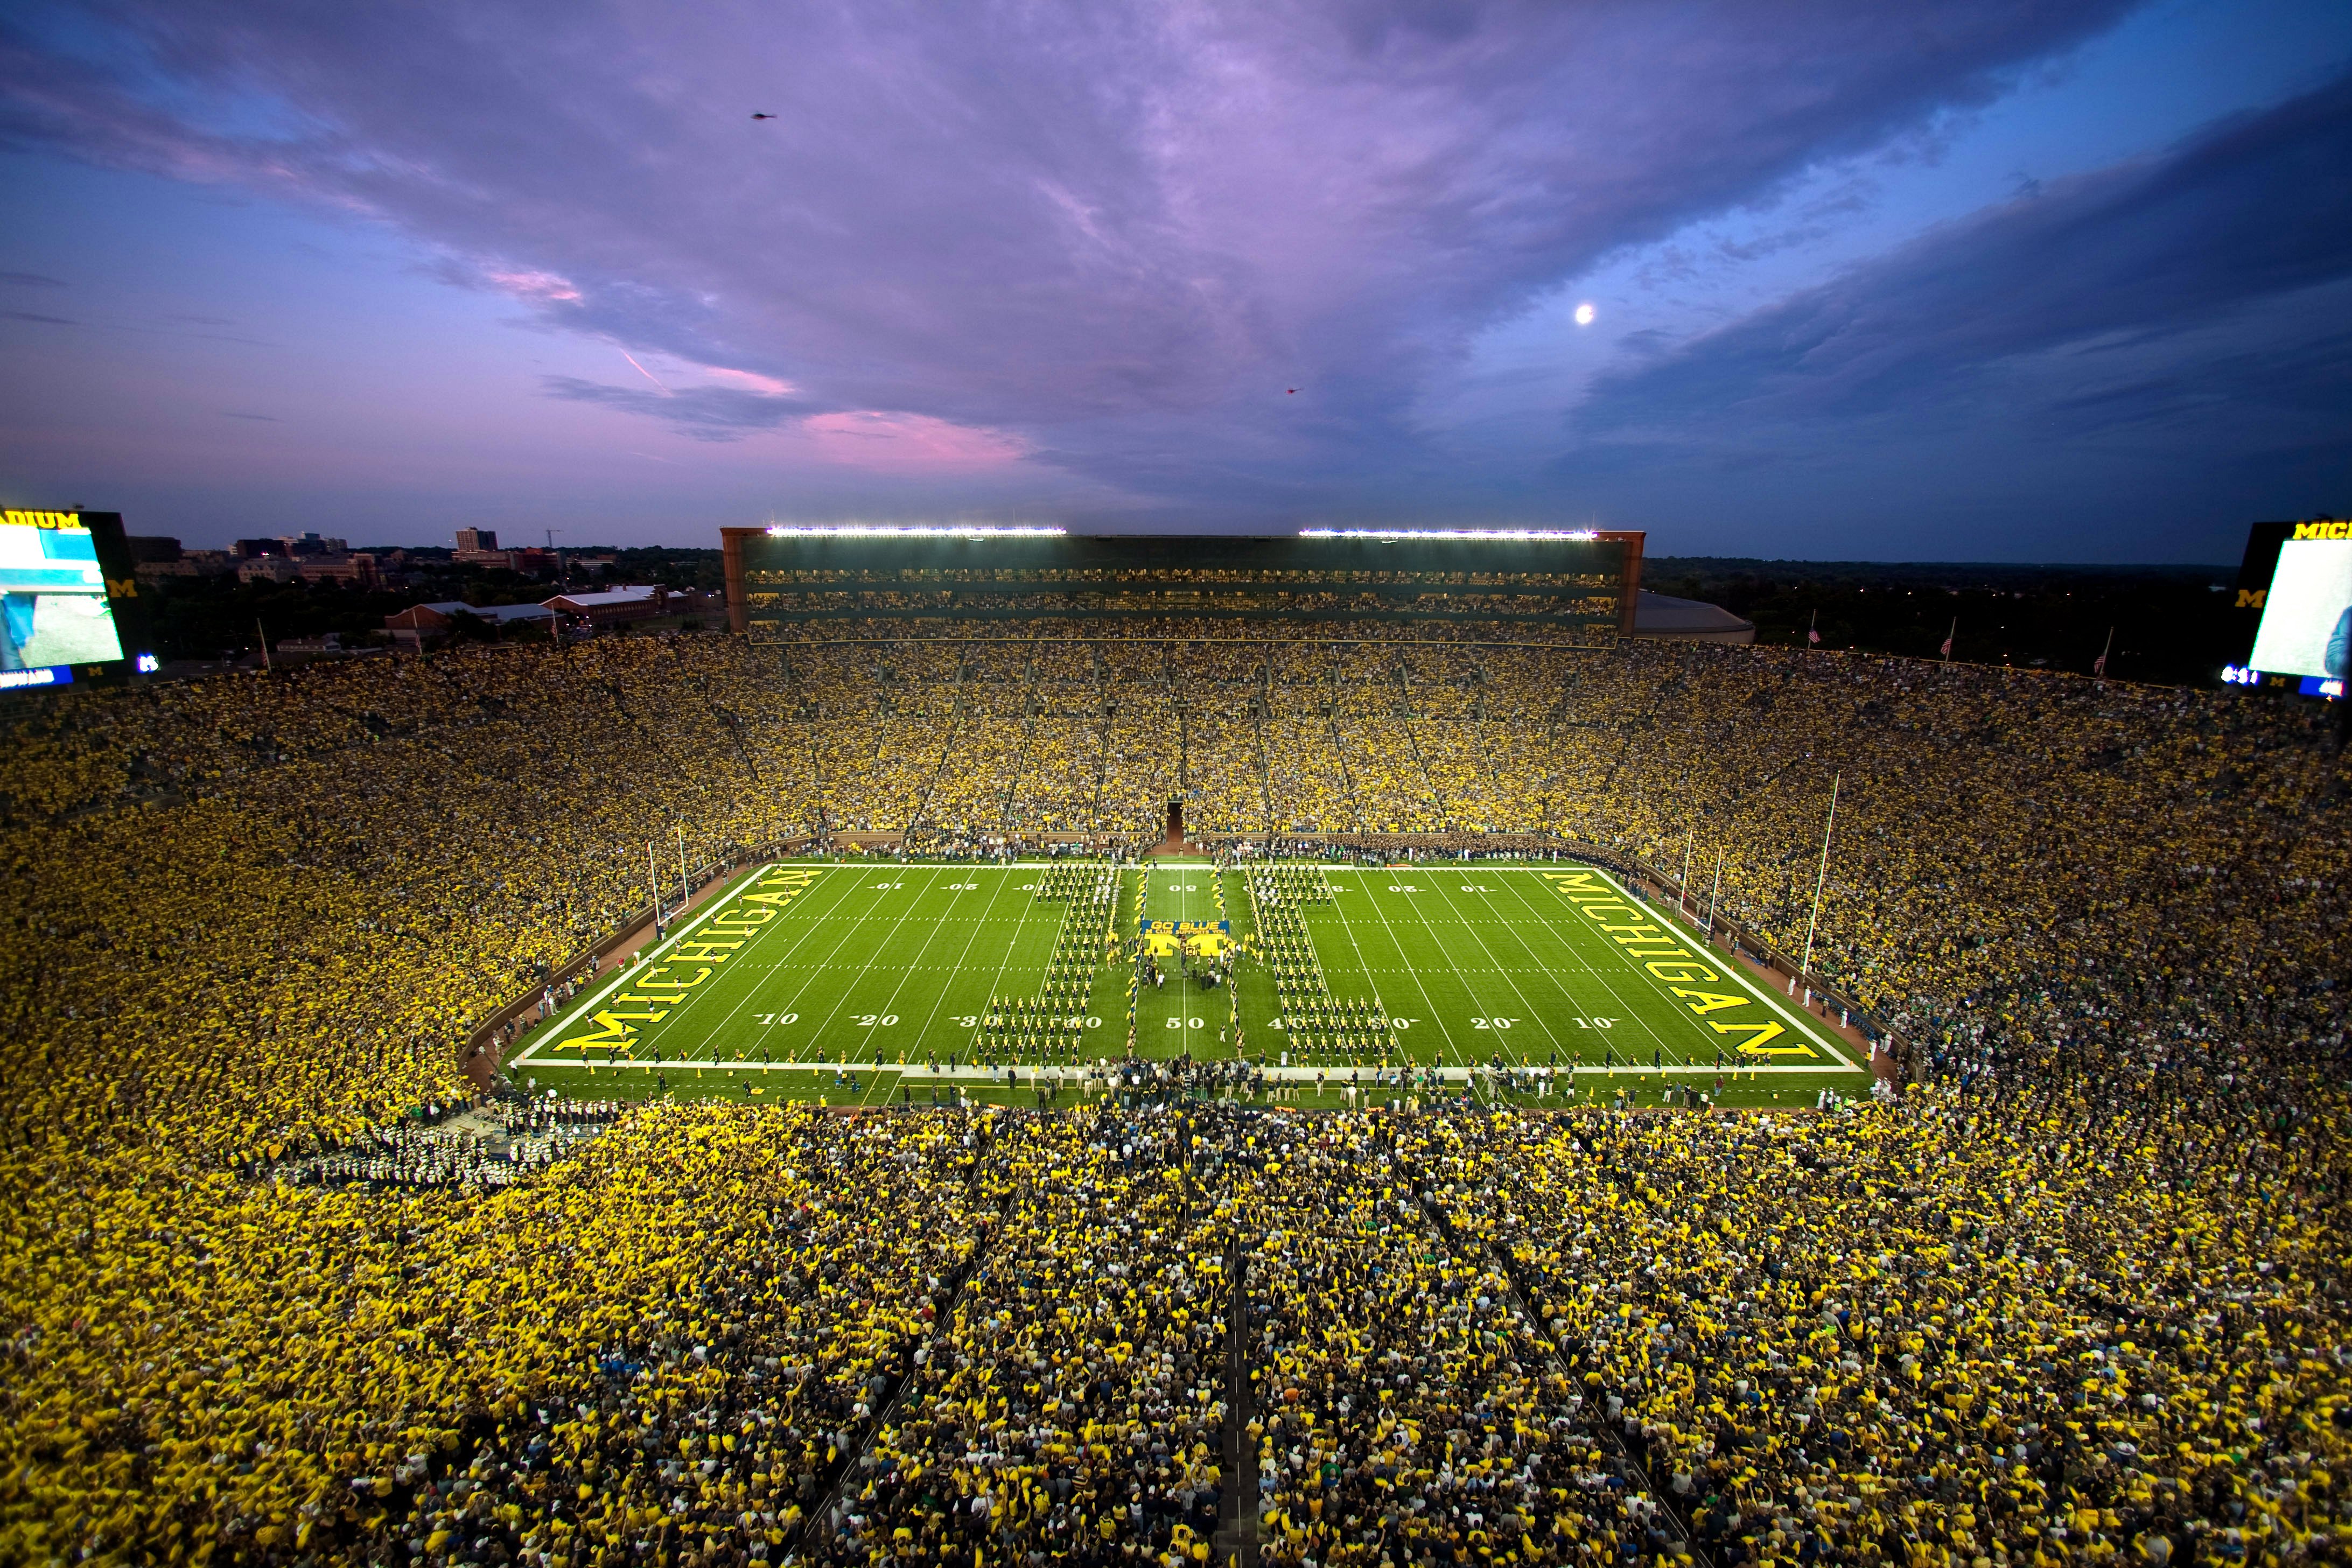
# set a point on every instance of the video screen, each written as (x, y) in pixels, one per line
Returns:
(2306, 625)
(54, 612)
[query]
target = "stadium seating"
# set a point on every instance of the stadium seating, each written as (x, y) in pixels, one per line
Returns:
(2079, 1293)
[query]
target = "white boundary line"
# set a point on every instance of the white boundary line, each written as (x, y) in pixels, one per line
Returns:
(546, 1032)
(916, 1072)
(1804, 1026)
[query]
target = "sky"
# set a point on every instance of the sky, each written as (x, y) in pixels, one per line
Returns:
(1953, 279)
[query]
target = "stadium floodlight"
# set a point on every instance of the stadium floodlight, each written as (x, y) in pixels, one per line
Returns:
(895, 530)
(1581, 534)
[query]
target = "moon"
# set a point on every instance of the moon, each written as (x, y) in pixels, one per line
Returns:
(1584, 314)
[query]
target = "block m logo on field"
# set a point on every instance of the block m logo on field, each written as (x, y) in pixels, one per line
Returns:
(611, 1032)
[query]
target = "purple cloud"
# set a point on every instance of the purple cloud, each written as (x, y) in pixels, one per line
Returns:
(1115, 234)
(2255, 209)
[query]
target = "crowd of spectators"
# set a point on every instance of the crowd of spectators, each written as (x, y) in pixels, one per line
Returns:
(2078, 1291)
(487, 1145)
(1410, 1411)
(1072, 1405)
(2049, 1325)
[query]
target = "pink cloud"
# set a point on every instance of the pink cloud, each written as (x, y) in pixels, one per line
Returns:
(874, 438)
(752, 381)
(547, 288)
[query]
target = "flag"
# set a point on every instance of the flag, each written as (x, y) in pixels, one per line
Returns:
(2099, 664)
(1813, 629)
(1949, 636)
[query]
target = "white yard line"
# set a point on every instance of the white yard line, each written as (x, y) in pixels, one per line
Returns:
(907, 969)
(816, 923)
(1804, 1026)
(841, 1000)
(548, 1033)
(1525, 1001)
(825, 965)
(1429, 1006)
(978, 925)
(1600, 978)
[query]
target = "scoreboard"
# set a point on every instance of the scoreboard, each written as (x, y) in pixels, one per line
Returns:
(68, 600)
(780, 579)
(2298, 577)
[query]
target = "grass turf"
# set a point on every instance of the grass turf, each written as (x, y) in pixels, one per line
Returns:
(844, 980)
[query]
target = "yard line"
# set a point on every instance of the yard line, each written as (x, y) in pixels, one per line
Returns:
(825, 965)
(1429, 1006)
(1523, 1000)
(849, 884)
(795, 910)
(841, 998)
(1640, 1019)
(996, 982)
(907, 971)
(1840, 1061)
(1184, 974)
(957, 968)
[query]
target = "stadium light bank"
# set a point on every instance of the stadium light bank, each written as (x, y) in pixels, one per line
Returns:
(883, 531)
(1579, 533)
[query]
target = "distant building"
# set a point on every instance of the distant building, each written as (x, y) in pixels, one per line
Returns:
(422, 624)
(270, 568)
(1663, 617)
(288, 545)
(357, 571)
(480, 547)
(155, 558)
(612, 607)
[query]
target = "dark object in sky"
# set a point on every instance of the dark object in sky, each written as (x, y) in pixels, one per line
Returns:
(1293, 392)
(757, 115)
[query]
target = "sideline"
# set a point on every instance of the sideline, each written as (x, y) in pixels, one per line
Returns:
(1690, 933)
(546, 1033)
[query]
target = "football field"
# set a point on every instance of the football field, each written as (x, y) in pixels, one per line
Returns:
(853, 980)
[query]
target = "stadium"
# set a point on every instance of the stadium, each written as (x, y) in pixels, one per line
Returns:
(1306, 1050)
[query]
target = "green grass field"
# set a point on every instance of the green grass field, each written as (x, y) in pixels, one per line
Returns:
(847, 979)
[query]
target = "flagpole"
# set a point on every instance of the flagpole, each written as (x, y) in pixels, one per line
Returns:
(1821, 875)
(1715, 894)
(2099, 666)
(1949, 637)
